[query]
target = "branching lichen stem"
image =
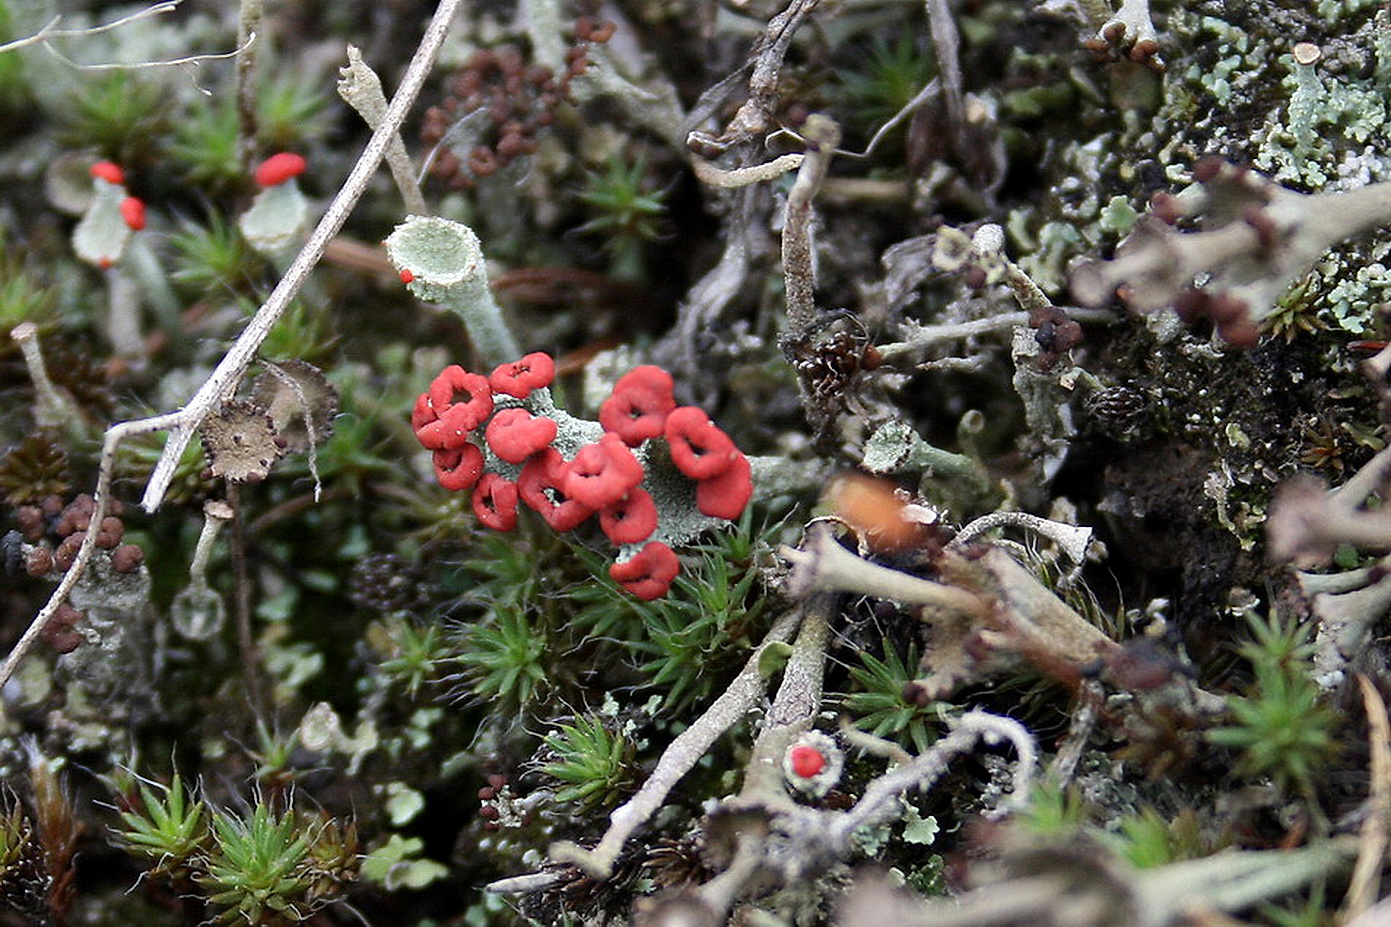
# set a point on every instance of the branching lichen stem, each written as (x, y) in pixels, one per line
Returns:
(1074, 540)
(763, 68)
(216, 513)
(822, 136)
(246, 638)
(823, 565)
(712, 175)
(880, 800)
(250, 13)
(794, 707)
(361, 88)
(927, 337)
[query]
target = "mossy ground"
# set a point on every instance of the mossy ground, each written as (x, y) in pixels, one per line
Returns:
(403, 706)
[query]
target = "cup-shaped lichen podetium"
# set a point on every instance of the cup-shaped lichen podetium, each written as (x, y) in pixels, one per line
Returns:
(442, 262)
(275, 223)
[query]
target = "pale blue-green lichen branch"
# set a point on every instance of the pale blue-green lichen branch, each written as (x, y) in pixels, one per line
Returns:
(444, 264)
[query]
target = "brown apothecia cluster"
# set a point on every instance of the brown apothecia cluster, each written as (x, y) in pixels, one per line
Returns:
(52, 532)
(497, 805)
(511, 100)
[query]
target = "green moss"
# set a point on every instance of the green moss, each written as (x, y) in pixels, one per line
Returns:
(1283, 729)
(122, 114)
(592, 759)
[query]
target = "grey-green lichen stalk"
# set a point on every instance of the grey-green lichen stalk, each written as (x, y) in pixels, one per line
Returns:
(442, 262)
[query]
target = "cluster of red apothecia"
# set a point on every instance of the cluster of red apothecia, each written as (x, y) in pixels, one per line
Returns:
(602, 478)
(519, 100)
(52, 519)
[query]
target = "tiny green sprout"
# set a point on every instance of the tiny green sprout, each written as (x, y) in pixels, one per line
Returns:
(1277, 646)
(596, 763)
(33, 469)
(272, 753)
(503, 659)
(1296, 312)
(626, 213)
(255, 870)
(690, 641)
(1313, 912)
(205, 147)
(1148, 839)
(122, 113)
(695, 637)
(214, 259)
(15, 834)
(334, 856)
(166, 825)
(21, 298)
(15, 99)
(417, 651)
(289, 112)
(1053, 811)
(890, 76)
(1282, 728)
(25, 884)
(302, 333)
(879, 706)
(623, 205)
(503, 572)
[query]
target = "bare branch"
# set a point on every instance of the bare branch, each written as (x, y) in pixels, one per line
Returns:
(51, 30)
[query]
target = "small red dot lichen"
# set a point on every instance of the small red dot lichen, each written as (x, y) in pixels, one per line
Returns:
(279, 168)
(806, 760)
(725, 496)
(109, 172)
(541, 486)
(458, 467)
(133, 212)
(515, 434)
(698, 447)
(631, 519)
(519, 378)
(603, 473)
(495, 502)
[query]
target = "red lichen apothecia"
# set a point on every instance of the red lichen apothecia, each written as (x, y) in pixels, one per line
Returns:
(654, 473)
